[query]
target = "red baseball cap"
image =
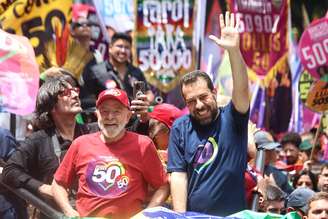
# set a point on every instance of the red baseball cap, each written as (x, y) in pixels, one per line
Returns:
(166, 113)
(115, 94)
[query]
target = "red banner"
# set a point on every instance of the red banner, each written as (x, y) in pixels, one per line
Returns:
(263, 28)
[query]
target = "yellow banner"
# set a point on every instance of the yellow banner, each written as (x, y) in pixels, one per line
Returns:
(318, 97)
(5, 4)
(324, 124)
(35, 19)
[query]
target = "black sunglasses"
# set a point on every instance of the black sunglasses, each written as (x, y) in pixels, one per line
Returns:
(83, 24)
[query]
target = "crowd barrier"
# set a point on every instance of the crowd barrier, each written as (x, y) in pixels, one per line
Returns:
(157, 212)
(35, 201)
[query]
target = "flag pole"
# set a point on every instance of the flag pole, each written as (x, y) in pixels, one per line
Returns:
(316, 137)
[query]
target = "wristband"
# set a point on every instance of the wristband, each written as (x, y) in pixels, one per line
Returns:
(150, 109)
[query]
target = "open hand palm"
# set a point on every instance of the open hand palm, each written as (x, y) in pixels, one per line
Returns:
(229, 34)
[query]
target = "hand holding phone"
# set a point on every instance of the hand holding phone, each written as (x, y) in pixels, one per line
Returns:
(140, 103)
(139, 88)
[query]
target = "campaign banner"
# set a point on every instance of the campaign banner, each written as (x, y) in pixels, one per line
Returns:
(99, 39)
(36, 20)
(164, 213)
(117, 14)
(211, 54)
(318, 96)
(278, 100)
(19, 75)
(304, 85)
(324, 126)
(263, 34)
(163, 41)
(5, 4)
(313, 48)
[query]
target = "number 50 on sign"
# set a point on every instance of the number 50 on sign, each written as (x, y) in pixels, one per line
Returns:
(314, 48)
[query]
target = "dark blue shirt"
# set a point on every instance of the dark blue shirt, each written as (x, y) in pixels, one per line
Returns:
(8, 144)
(10, 205)
(214, 157)
(279, 177)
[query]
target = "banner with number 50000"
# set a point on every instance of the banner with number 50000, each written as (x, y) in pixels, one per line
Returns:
(163, 36)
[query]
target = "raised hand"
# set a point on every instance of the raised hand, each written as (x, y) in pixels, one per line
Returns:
(229, 39)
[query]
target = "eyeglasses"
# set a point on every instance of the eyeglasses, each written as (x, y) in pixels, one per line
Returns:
(68, 91)
(83, 24)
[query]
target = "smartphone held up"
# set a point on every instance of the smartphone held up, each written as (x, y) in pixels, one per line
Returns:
(139, 88)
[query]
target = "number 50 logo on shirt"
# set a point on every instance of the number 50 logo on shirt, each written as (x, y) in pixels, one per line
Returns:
(107, 178)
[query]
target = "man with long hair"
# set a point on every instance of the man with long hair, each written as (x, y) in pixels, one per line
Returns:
(34, 163)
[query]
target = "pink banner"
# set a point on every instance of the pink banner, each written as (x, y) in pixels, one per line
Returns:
(314, 48)
(19, 75)
(263, 28)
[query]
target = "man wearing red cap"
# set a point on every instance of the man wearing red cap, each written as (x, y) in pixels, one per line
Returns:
(113, 166)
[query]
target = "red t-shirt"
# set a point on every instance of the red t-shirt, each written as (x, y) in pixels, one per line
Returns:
(252, 176)
(113, 178)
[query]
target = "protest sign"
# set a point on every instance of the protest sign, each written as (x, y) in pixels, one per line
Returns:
(19, 75)
(304, 84)
(117, 14)
(317, 99)
(263, 35)
(313, 48)
(36, 20)
(163, 43)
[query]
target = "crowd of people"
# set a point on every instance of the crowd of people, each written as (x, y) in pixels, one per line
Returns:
(136, 155)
